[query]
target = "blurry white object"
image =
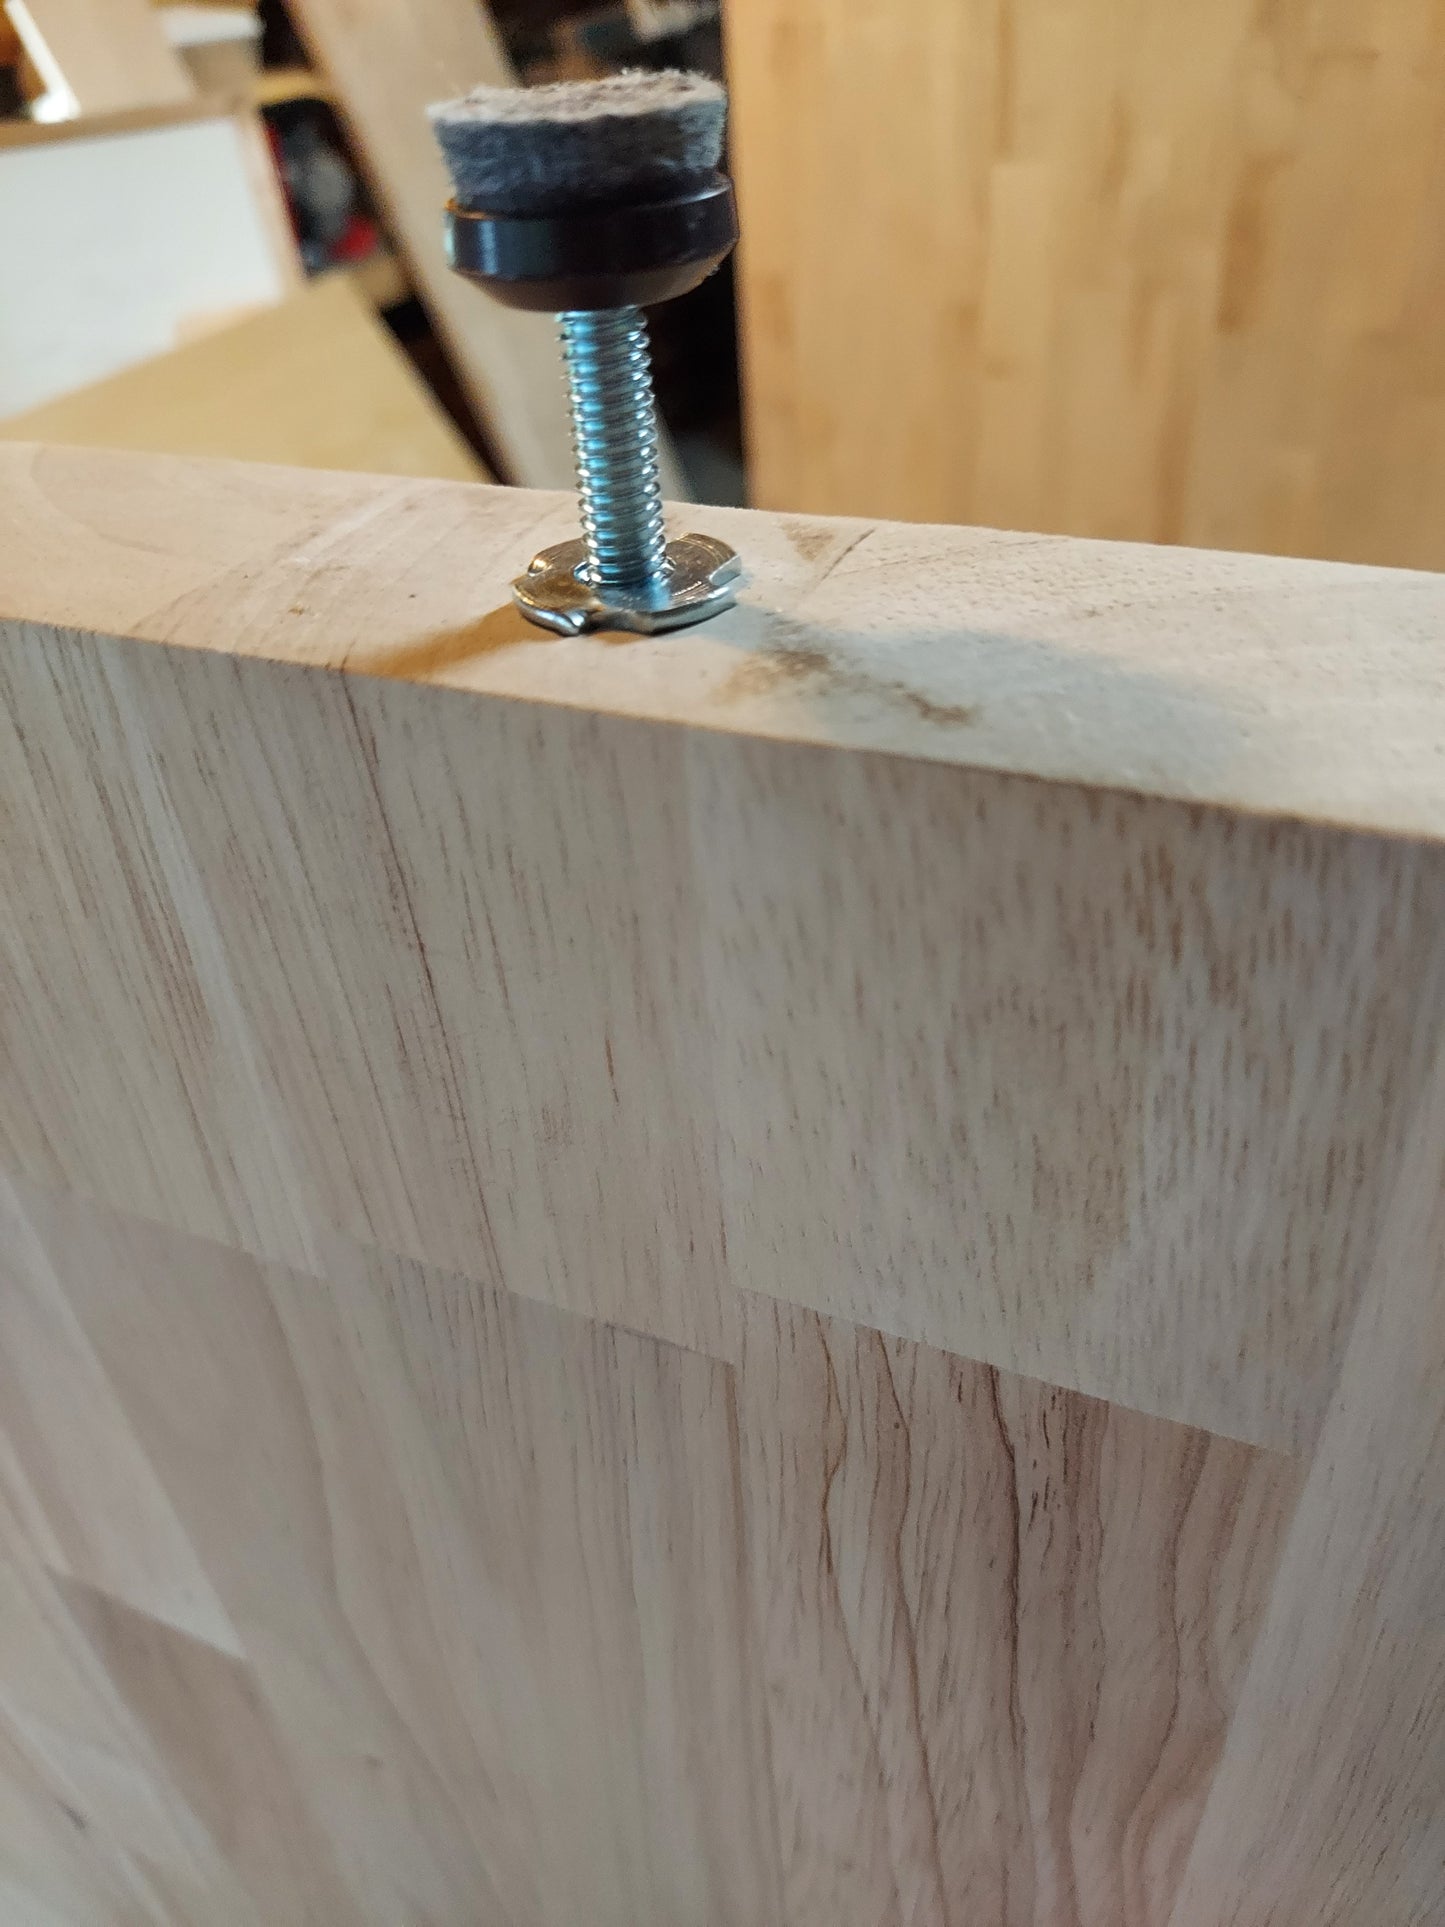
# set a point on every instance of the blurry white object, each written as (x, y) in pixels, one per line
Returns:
(192, 26)
(655, 19)
(118, 242)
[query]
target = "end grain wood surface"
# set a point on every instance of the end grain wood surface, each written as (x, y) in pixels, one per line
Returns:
(782, 1275)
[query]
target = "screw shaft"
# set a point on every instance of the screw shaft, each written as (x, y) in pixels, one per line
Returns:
(614, 438)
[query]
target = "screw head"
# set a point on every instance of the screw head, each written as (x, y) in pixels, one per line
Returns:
(701, 579)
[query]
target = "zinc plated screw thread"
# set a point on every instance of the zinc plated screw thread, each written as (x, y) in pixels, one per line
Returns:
(614, 439)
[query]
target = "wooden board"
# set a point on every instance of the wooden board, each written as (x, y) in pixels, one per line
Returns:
(783, 1274)
(1165, 272)
(385, 67)
(450, 1739)
(316, 382)
(97, 56)
(1330, 1791)
(1127, 965)
(128, 233)
(1004, 1629)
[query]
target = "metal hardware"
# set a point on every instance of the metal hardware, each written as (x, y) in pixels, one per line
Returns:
(624, 574)
(700, 577)
(614, 440)
(591, 199)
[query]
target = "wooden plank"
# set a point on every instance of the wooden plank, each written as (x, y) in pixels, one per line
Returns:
(533, 1714)
(1330, 1799)
(1021, 1618)
(100, 55)
(82, 1796)
(315, 382)
(1258, 686)
(107, 1520)
(46, 1877)
(384, 69)
(923, 1034)
(203, 1715)
(579, 1126)
(1162, 274)
(1222, 1009)
(785, 1274)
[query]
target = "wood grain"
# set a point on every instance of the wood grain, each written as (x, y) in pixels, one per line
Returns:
(551, 1156)
(1261, 686)
(909, 990)
(92, 1499)
(789, 1274)
(385, 68)
(1004, 1629)
(314, 382)
(1101, 1091)
(1330, 1800)
(1165, 272)
(482, 1668)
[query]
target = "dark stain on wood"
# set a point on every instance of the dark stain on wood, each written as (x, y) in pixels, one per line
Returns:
(810, 543)
(802, 662)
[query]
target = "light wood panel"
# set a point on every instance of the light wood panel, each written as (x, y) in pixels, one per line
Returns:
(100, 1514)
(315, 382)
(1162, 272)
(1088, 1088)
(1257, 686)
(1330, 1795)
(385, 67)
(101, 55)
(1004, 1629)
(435, 983)
(786, 1274)
(914, 987)
(1020, 1633)
(485, 1674)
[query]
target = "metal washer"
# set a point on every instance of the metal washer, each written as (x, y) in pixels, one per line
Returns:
(702, 575)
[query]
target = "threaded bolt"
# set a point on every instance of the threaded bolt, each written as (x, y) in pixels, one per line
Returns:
(591, 200)
(614, 440)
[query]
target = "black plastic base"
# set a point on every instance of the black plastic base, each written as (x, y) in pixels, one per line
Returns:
(602, 255)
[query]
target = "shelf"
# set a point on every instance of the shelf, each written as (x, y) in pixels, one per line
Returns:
(276, 85)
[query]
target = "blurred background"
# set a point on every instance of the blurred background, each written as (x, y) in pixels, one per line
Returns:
(1163, 270)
